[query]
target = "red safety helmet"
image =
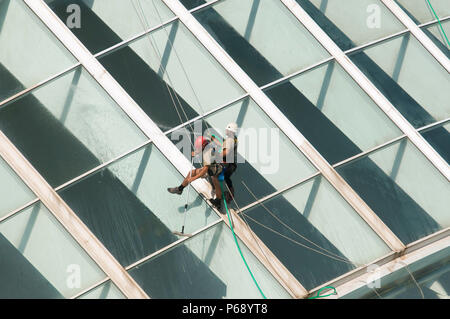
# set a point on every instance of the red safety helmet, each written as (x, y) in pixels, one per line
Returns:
(201, 142)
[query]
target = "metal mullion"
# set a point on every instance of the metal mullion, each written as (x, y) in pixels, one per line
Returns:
(415, 251)
(134, 112)
(383, 103)
(173, 245)
(89, 289)
(48, 196)
(285, 125)
(426, 42)
(38, 85)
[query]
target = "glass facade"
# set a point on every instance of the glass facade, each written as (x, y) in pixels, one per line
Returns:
(115, 178)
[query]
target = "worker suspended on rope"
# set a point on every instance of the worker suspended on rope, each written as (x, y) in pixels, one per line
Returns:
(210, 167)
(229, 159)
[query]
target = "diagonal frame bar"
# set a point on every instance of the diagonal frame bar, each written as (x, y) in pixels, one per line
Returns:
(70, 221)
(286, 126)
(418, 33)
(161, 141)
(383, 103)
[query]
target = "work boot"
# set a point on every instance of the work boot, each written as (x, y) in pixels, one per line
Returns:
(175, 190)
(217, 202)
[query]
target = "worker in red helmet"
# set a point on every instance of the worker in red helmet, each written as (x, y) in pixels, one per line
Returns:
(210, 167)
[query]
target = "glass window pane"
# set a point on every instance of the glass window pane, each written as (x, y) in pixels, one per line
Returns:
(171, 76)
(68, 126)
(207, 266)
(40, 259)
(435, 33)
(341, 240)
(105, 291)
(352, 23)
(267, 159)
(328, 98)
(27, 45)
(420, 11)
(427, 278)
(403, 189)
(439, 138)
(415, 83)
(14, 192)
(127, 205)
(112, 20)
(263, 37)
(191, 4)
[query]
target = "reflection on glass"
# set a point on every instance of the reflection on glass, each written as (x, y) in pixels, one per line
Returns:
(171, 76)
(421, 12)
(435, 33)
(127, 206)
(207, 266)
(39, 259)
(13, 191)
(100, 24)
(332, 112)
(403, 189)
(427, 278)
(415, 83)
(314, 215)
(352, 23)
(263, 37)
(68, 126)
(191, 4)
(29, 52)
(105, 291)
(439, 138)
(267, 159)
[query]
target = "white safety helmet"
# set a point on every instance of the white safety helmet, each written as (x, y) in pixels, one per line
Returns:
(232, 127)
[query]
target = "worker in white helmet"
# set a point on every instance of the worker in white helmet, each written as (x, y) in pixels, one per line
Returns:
(229, 157)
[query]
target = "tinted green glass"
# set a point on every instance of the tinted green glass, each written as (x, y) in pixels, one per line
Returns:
(14, 192)
(105, 291)
(409, 76)
(315, 233)
(207, 266)
(127, 206)
(333, 112)
(352, 23)
(112, 20)
(403, 189)
(421, 12)
(29, 52)
(40, 259)
(263, 37)
(171, 76)
(439, 138)
(68, 127)
(427, 278)
(267, 159)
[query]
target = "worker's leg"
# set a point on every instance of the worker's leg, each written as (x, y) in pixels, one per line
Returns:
(216, 184)
(190, 177)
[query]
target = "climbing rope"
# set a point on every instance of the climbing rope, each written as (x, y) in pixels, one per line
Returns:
(237, 244)
(439, 21)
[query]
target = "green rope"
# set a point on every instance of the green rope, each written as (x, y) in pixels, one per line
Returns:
(320, 290)
(439, 21)
(237, 244)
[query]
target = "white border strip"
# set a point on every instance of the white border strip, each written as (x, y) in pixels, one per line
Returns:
(369, 88)
(285, 125)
